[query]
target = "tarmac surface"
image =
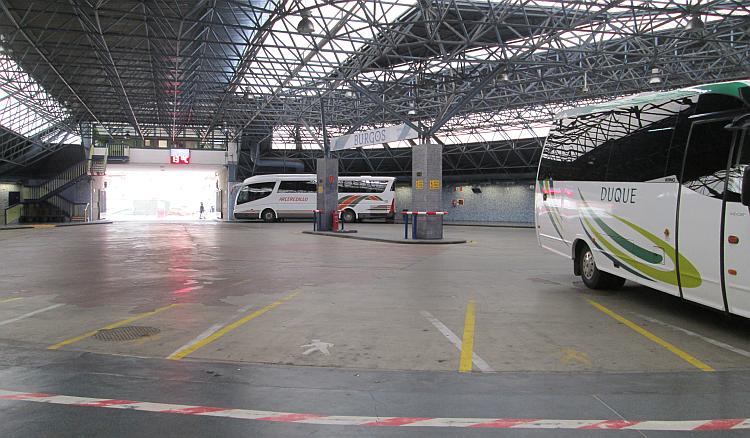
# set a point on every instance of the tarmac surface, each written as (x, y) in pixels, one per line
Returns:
(260, 316)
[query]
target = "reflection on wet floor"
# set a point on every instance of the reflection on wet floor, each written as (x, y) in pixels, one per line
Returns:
(192, 281)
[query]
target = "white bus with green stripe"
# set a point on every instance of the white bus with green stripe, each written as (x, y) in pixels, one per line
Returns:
(280, 196)
(654, 189)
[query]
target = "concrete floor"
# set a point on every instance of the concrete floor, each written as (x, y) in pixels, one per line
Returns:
(264, 293)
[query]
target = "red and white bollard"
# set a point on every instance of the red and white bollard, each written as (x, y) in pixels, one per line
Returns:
(335, 221)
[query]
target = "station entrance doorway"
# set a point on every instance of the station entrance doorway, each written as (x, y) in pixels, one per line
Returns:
(161, 193)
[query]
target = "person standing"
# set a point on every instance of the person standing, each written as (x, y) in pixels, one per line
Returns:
(201, 210)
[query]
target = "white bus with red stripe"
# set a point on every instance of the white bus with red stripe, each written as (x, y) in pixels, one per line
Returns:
(279, 196)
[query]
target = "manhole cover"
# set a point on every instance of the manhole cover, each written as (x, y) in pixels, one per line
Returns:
(127, 333)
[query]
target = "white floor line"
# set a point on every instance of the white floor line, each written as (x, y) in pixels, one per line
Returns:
(719, 344)
(211, 330)
(478, 361)
(30, 314)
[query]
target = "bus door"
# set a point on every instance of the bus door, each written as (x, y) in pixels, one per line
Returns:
(699, 228)
(736, 241)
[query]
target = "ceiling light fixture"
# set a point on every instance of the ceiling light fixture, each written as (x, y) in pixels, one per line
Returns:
(695, 24)
(585, 88)
(655, 77)
(305, 25)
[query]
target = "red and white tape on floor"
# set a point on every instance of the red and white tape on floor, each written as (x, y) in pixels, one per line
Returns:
(347, 420)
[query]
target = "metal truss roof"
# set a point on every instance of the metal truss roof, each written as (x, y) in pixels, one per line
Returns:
(451, 68)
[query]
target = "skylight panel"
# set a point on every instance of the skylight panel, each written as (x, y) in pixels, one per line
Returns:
(25, 107)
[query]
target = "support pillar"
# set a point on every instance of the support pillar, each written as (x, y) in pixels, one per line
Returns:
(228, 181)
(427, 189)
(328, 191)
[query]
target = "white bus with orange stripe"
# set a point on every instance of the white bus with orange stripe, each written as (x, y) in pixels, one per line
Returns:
(272, 197)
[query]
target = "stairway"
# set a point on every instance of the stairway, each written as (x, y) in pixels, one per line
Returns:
(98, 166)
(57, 183)
(43, 203)
(98, 157)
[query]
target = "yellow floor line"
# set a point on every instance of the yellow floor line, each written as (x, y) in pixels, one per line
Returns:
(652, 337)
(7, 300)
(111, 326)
(467, 344)
(219, 333)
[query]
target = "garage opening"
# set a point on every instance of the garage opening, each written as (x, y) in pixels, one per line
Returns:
(161, 193)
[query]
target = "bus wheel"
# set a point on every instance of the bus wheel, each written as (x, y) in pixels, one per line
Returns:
(268, 215)
(348, 216)
(592, 276)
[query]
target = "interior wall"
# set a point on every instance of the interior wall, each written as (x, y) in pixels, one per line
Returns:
(501, 203)
(6, 187)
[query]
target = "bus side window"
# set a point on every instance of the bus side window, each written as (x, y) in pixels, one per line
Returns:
(742, 160)
(253, 192)
(573, 150)
(297, 187)
(705, 168)
(244, 195)
(639, 146)
(362, 186)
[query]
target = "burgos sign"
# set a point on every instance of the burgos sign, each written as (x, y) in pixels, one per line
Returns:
(374, 136)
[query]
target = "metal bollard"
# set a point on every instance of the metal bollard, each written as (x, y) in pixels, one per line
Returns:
(414, 226)
(335, 221)
(406, 226)
(315, 220)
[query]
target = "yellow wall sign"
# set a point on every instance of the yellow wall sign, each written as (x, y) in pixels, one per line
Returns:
(419, 185)
(434, 184)
(320, 188)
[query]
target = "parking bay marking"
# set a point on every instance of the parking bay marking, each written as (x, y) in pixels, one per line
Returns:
(229, 328)
(445, 331)
(467, 351)
(652, 337)
(111, 326)
(211, 330)
(8, 300)
(30, 314)
(719, 344)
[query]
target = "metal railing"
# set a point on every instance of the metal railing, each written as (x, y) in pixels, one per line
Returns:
(13, 214)
(78, 211)
(42, 191)
(81, 211)
(118, 150)
(62, 204)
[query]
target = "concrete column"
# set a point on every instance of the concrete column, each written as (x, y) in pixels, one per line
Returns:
(98, 197)
(427, 188)
(227, 181)
(328, 191)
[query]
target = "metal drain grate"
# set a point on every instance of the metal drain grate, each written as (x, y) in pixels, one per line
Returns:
(126, 333)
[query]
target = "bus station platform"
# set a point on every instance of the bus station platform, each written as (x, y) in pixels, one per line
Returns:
(237, 329)
(386, 233)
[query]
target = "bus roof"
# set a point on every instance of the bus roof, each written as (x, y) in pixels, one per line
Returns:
(304, 176)
(726, 88)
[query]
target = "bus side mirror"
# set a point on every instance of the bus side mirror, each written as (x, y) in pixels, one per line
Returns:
(746, 186)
